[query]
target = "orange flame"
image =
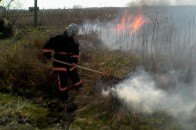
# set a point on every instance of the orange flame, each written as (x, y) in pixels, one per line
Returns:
(133, 25)
(137, 22)
(124, 22)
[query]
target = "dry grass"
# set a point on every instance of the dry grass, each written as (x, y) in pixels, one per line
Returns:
(22, 72)
(21, 69)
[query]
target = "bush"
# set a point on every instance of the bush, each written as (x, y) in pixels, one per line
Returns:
(6, 28)
(22, 72)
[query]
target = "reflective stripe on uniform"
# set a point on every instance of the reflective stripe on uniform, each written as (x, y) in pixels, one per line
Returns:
(59, 84)
(64, 53)
(59, 69)
(78, 83)
(63, 89)
(76, 56)
(47, 50)
(72, 68)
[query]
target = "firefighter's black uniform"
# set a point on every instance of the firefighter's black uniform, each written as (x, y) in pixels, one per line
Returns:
(65, 49)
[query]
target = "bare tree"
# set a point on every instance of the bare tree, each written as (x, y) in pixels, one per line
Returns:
(9, 15)
(77, 12)
(10, 6)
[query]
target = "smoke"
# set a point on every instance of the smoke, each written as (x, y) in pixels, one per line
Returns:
(160, 2)
(185, 2)
(149, 93)
(170, 43)
(149, 2)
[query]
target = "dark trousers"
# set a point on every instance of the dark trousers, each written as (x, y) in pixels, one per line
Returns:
(63, 85)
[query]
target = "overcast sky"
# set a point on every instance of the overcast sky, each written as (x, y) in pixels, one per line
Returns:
(47, 4)
(71, 3)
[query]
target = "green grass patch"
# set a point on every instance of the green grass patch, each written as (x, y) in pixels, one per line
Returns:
(16, 111)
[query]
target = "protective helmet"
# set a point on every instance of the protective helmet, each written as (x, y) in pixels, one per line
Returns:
(73, 29)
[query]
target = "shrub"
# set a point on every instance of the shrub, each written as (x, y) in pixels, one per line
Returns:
(22, 72)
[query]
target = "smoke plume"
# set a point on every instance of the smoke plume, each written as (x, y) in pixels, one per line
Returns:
(149, 93)
(160, 2)
(169, 36)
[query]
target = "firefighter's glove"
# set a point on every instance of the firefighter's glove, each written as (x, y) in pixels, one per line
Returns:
(75, 60)
(74, 65)
(45, 59)
(47, 55)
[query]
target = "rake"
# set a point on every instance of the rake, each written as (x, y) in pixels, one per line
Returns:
(88, 69)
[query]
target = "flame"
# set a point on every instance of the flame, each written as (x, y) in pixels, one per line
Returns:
(133, 24)
(137, 22)
(124, 22)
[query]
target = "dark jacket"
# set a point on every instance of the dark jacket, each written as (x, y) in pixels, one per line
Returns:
(65, 49)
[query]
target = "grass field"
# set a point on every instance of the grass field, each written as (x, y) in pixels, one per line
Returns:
(27, 87)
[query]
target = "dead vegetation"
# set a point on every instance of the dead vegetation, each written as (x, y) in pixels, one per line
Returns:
(22, 72)
(6, 28)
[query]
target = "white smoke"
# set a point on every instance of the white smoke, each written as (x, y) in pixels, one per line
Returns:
(169, 92)
(161, 2)
(144, 92)
(140, 93)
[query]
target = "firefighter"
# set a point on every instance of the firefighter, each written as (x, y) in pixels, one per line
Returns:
(65, 47)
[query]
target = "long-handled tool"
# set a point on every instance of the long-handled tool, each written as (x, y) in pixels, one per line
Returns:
(88, 69)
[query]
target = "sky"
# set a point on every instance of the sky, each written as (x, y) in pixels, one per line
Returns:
(55, 4)
(47, 4)
(70, 3)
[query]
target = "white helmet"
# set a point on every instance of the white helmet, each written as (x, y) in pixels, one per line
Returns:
(73, 29)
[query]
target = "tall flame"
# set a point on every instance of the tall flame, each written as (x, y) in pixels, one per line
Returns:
(137, 22)
(133, 24)
(124, 22)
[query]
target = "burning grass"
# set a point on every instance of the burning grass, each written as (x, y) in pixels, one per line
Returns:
(22, 72)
